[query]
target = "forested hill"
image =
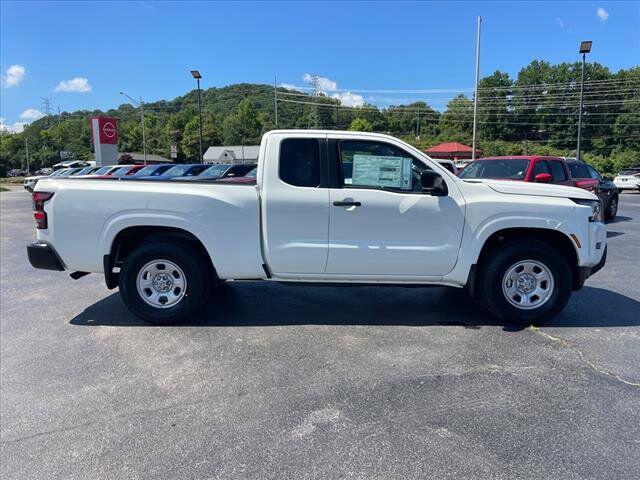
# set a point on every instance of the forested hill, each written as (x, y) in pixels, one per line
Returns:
(536, 112)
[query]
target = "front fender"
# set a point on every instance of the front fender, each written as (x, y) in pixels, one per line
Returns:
(475, 237)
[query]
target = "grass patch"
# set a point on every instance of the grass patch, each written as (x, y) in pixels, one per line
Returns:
(11, 180)
(4, 189)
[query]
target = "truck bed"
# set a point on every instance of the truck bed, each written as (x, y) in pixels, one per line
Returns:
(86, 215)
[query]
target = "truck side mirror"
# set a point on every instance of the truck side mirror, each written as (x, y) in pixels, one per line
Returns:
(543, 178)
(433, 184)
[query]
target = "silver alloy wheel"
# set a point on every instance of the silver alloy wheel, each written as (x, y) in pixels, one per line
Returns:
(161, 283)
(527, 284)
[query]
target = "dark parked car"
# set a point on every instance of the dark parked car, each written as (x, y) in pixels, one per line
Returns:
(223, 170)
(182, 170)
(119, 171)
(607, 191)
(152, 170)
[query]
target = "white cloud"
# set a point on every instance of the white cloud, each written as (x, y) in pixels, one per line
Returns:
(325, 84)
(78, 84)
(14, 76)
(289, 86)
(31, 114)
(349, 99)
(602, 14)
(559, 22)
(17, 127)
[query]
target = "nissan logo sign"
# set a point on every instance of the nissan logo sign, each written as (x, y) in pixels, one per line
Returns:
(109, 130)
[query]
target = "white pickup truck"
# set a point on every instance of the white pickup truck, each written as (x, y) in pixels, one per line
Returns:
(326, 207)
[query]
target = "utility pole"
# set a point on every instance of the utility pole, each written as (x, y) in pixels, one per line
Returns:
(418, 125)
(585, 47)
(26, 147)
(59, 132)
(475, 98)
(144, 135)
(275, 98)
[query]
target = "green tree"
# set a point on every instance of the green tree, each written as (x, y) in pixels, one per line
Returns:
(493, 106)
(211, 135)
(243, 126)
(457, 119)
(361, 125)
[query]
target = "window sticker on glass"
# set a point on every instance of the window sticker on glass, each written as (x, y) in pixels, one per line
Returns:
(381, 171)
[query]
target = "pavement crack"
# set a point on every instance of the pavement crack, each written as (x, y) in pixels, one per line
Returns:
(95, 422)
(581, 356)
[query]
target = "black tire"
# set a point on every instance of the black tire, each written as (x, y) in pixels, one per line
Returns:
(495, 266)
(612, 208)
(195, 271)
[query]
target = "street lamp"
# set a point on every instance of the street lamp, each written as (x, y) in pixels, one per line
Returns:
(585, 47)
(196, 74)
(140, 104)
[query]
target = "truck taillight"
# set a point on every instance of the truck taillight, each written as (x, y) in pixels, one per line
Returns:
(39, 215)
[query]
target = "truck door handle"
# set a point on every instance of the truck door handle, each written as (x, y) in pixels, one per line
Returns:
(346, 203)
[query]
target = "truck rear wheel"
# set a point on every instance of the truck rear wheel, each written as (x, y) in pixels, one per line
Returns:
(163, 283)
(525, 281)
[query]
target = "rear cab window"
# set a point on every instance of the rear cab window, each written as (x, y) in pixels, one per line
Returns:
(299, 163)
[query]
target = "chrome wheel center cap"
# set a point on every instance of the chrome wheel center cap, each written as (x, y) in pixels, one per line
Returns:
(525, 283)
(162, 282)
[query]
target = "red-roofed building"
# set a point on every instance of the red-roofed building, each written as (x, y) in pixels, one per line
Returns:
(451, 151)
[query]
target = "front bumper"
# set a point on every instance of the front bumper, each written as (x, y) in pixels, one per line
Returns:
(586, 272)
(42, 255)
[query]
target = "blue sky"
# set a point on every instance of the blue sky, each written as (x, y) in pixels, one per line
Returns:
(80, 55)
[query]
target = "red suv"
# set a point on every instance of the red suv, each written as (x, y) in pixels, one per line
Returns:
(534, 168)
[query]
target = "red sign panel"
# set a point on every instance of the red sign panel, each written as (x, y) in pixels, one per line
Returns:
(107, 128)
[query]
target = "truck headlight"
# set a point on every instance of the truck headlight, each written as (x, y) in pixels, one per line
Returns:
(596, 208)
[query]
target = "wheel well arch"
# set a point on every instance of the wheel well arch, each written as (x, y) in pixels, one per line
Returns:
(554, 238)
(130, 238)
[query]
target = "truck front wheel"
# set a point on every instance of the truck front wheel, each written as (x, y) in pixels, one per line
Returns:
(525, 281)
(163, 282)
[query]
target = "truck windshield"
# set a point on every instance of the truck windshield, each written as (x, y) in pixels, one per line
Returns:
(152, 170)
(176, 171)
(512, 169)
(195, 170)
(215, 170)
(121, 172)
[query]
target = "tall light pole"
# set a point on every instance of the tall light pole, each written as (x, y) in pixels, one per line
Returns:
(585, 47)
(475, 98)
(196, 74)
(140, 103)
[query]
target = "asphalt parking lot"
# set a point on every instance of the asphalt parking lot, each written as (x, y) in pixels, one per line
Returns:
(309, 382)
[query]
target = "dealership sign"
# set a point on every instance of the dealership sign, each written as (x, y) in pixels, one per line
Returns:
(104, 136)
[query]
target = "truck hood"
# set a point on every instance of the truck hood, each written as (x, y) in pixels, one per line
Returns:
(536, 189)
